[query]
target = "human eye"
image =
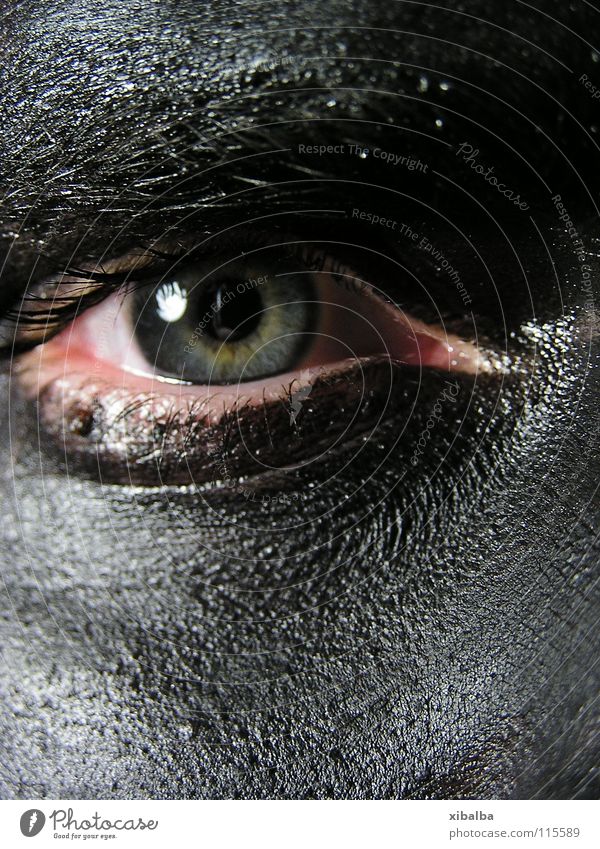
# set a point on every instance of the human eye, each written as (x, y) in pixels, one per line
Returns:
(269, 350)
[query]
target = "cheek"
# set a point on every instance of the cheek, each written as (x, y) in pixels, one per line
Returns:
(259, 624)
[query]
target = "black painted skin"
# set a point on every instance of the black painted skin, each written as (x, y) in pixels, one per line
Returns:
(393, 631)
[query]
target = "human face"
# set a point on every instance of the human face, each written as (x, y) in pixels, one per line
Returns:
(397, 598)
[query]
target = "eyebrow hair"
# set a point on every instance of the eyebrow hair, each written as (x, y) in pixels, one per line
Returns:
(74, 176)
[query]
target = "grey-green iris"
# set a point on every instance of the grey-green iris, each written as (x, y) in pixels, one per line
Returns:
(228, 329)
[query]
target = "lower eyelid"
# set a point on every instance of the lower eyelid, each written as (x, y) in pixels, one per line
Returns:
(54, 363)
(180, 439)
(78, 353)
(142, 424)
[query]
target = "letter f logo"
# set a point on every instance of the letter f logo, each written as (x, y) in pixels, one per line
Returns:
(298, 398)
(32, 822)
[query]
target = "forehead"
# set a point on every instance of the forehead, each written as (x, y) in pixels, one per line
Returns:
(111, 105)
(119, 53)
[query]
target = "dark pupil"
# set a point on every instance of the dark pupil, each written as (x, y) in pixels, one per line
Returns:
(234, 315)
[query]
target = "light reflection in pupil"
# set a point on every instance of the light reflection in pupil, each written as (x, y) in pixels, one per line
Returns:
(171, 302)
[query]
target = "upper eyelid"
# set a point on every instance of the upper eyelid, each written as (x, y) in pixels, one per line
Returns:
(106, 272)
(46, 308)
(49, 305)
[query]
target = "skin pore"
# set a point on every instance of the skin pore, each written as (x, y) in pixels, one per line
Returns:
(390, 621)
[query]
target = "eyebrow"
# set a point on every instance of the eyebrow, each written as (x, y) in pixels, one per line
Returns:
(69, 182)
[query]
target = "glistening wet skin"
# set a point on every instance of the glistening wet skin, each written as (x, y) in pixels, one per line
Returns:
(378, 579)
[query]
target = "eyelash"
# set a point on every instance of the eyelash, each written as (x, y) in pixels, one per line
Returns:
(45, 310)
(142, 436)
